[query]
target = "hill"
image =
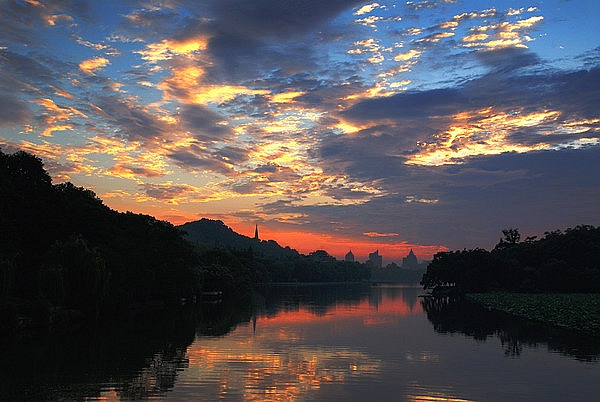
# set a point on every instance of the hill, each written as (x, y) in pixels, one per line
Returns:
(214, 233)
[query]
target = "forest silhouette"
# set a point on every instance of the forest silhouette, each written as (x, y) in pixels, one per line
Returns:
(65, 256)
(561, 262)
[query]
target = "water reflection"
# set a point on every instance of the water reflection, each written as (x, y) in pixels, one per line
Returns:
(284, 354)
(451, 316)
(138, 358)
(351, 343)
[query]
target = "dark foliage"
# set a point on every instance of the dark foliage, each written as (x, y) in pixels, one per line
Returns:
(66, 255)
(264, 261)
(63, 250)
(561, 261)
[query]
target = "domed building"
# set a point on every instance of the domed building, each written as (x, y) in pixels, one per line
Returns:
(410, 261)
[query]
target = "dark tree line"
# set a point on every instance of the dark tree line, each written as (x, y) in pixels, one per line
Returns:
(63, 253)
(246, 267)
(61, 248)
(560, 261)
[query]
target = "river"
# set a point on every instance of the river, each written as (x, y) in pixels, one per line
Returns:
(309, 343)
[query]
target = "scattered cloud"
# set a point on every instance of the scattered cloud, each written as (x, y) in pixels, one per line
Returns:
(90, 66)
(422, 122)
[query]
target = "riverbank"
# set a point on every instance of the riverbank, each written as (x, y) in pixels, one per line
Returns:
(576, 311)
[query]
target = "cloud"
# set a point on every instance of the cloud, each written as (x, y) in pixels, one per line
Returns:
(205, 124)
(367, 8)
(497, 112)
(133, 172)
(195, 159)
(90, 66)
(275, 18)
(172, 193)
(377, 234)
(473, 199)
(340, 116)
(502, 34)
(186, 85)
(13, 111)
(132, 120)
(167, 49)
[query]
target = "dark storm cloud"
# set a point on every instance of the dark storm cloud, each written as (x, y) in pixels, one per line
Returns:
(492, 193)
(204, 124)
(13, 110)
(277, 173)
(232, 154)
(369, 154)
(525, 190)
(578, 93)
(506, 60)
(14, 70)
(164, 192)
(277, 18)
(245, 58)
(249, 38)
(133, 121)
(411, 105)
(497, 87)
(196, 159)
(570, 92)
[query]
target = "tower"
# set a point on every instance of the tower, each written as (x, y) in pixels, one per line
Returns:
(410, 261)
(256, 233)
(349, 257)
(376, 259)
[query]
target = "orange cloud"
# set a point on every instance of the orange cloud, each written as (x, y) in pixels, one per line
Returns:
(52, 19)
(90, 66)
(57, 113)
(167, 49)
(185, 85)
(411, 54)
(377, 234)
(483, 133)
(506, 34)
(286, 97)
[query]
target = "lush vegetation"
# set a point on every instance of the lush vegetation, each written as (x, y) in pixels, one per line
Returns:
(66, 255)
(62, 251)
(560, 262)
(266, 261)
(580, 311)
(253, 266)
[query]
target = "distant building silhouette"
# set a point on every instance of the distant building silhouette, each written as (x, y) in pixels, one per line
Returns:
(349, 257)
(410, 261)
(256, 233)
(375, 259)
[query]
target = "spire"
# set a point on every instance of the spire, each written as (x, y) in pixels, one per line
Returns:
(256, 233)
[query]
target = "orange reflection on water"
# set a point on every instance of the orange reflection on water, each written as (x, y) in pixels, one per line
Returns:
(372, 311)
(254, 372)
(427, 398)
(270, 360)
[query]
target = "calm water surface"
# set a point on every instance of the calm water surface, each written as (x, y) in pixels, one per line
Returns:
(311, 343)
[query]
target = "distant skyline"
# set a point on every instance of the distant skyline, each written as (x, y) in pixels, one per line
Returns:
(334, 125)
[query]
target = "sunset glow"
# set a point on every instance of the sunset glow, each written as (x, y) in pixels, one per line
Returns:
(341, 125)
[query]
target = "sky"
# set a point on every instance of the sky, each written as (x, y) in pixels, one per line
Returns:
(336, 125)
